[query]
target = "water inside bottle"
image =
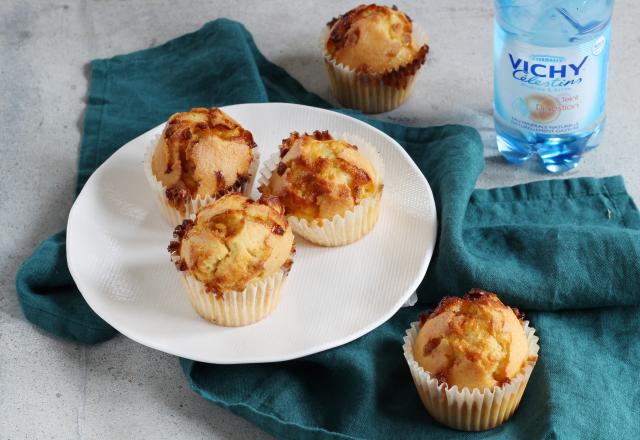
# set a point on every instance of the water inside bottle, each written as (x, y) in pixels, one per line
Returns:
(550, 78)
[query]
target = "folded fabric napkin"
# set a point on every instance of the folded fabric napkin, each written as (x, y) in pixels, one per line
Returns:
(567, 252)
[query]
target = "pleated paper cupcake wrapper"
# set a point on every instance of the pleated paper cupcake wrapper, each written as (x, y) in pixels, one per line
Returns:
(465, 410)
(340, 230)
(236, 309)
(171, 214)
(369, 96)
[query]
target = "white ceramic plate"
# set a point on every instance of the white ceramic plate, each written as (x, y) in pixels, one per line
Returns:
(117, 254)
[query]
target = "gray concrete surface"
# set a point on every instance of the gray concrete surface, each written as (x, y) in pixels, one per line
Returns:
(55, 389)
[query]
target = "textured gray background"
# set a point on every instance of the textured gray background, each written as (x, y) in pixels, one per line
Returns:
(55, 389)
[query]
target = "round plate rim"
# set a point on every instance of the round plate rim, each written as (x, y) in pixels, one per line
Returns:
(143, 339)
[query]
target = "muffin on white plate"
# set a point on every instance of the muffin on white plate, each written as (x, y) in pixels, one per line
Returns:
(201, 155)
(234, 258)
(330, 188)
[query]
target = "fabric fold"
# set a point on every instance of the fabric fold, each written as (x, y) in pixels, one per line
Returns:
(50, 299)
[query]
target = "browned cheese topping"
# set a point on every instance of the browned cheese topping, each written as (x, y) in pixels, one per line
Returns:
(233, 242)
(475, 341)
(319, 177)
(377, 42)
(203, 152)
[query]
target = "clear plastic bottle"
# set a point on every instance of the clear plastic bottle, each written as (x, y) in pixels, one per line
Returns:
(550, 75)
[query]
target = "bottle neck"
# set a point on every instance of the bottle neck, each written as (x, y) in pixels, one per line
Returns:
(556, 23)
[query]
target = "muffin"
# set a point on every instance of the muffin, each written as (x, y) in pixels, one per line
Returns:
(471, 359)
(201, 155)
(330, 188)
(234, 258)
(372, 55)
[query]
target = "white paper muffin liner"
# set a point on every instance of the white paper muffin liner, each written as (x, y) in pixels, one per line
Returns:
(342, 229)
(171, 214)
(469, 410)
(368, 96)
(235, 309)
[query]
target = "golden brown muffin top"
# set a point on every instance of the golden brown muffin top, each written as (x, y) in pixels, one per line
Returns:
(374, 39)
(234, 241)
(475, 341)
(319, 177)
(203, 152)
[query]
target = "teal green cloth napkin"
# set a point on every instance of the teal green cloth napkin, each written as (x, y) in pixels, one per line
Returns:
(565, 251)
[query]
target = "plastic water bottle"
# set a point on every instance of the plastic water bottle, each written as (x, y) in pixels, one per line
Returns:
(550, 75)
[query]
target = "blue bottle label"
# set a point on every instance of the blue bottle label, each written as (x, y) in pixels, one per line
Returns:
(550, 90)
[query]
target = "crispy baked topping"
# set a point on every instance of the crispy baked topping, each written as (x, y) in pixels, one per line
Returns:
(377, 42)
(477, 293)
(183, 228)
(320, 177)
(174, 247)
(443, 305)
(431, 345)
(519, 314)
(217, 293)
(178, 194)
(399, 77)
(322, 135)
(220, 179)
(202, 152)
(248, 138)
(233, 241)
(287, 265)
(341, 25)
(271, 201)
(474, 341)
(441, 377)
